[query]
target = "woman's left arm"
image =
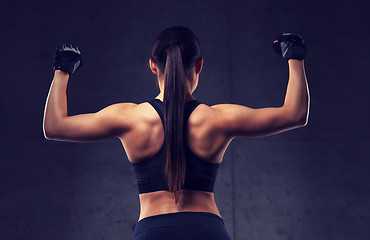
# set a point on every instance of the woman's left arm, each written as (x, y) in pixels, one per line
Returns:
(112, 121)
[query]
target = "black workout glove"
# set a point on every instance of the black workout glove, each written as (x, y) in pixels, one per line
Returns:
(290, 46)
(67, 58)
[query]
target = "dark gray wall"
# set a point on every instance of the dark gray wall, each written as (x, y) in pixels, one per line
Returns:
(310, 183)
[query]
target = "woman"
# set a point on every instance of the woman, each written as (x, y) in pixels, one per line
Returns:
(174, 143)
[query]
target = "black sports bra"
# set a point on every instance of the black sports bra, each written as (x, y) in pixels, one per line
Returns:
(199, 175)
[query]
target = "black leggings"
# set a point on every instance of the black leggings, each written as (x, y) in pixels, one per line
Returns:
(181, 226)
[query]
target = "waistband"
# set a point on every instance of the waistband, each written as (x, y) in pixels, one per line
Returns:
(178, 216)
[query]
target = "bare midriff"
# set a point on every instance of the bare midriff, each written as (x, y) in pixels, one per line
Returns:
(162, 202)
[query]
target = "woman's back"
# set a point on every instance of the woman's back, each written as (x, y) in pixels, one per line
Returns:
(146, 139)
(147, 135)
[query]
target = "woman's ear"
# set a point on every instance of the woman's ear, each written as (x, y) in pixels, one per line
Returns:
(153, 66)
(199, 65)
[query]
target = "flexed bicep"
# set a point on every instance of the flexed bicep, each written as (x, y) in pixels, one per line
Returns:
(240, 121)
(109, 122)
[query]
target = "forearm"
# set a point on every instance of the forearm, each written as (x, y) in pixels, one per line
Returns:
(297, 98)
(56, 103)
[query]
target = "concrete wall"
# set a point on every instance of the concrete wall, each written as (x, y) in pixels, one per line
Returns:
(310, 183)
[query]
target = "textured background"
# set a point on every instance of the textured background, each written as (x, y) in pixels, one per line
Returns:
(309, 183)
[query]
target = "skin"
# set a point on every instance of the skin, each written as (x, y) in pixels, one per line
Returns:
(211, 129)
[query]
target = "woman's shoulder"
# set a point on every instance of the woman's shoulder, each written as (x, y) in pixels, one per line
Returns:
(145, 112)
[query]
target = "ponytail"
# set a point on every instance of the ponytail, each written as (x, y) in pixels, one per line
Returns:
(174, 100)
(175, 52)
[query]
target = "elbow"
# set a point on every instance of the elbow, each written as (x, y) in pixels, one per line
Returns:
(302, 121)
(298, 118)
(48, 135)
(49, 131)
(53, 129)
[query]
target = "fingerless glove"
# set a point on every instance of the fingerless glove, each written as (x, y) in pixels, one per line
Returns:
(67, 58)
(290, 46)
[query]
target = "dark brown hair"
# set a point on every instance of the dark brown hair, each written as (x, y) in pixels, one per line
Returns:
(175, 52)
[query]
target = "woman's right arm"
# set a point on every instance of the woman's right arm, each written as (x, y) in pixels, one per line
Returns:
(240, 121)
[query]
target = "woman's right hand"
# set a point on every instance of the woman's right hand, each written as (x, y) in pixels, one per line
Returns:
(239, 121)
